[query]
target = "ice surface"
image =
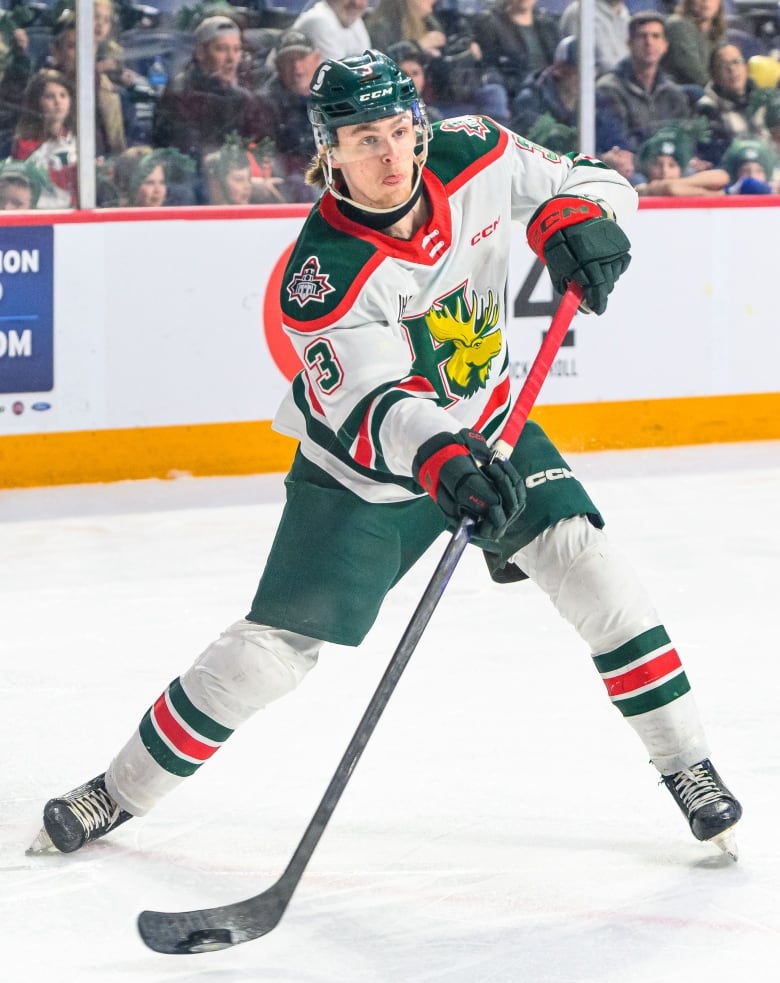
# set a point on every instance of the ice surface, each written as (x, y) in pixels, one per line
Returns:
(503, 825)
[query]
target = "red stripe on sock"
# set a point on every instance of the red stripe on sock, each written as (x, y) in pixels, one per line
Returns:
(181, 739)
(649, 672)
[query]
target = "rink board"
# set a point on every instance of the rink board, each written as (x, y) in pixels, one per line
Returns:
(148, 344)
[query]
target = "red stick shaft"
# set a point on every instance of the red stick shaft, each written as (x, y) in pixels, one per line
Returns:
(541, 366)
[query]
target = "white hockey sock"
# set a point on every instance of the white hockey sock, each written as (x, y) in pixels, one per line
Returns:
(245, 669)
(597, 591)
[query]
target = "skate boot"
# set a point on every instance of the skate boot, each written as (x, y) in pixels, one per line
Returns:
(86, 813)
(710, 808)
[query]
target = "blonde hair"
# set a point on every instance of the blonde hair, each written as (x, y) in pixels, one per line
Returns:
(314, 175)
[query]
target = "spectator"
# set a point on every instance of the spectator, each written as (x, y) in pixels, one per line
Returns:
(610, 19)
(555, 92)
(135, 91)
(15, 71)
(45, 135)
(392, 21)
(773, 125)
(664, 160)
(693, 31)
(236, 175)
(731, 104)
(750, 165)
(228, 176)
(140, 178)
(551, 134)
(21, 184)
(457, 76)
(516, 39)
(640, 96)
(109, 56)
(205, 103)
(110, 138)
(411, 59)
(286, 92)
(335, 27)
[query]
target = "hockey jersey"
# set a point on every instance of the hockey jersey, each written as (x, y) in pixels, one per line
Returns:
(400, 340)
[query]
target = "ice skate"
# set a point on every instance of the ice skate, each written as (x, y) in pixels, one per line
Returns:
(70, 821)
(710, 808)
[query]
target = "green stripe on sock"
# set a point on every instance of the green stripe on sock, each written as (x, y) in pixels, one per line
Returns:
(204, 726)
(654, 698)
(160, 751)
(643, 644)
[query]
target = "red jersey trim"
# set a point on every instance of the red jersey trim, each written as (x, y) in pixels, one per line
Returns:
(411, 249)
(346, 302)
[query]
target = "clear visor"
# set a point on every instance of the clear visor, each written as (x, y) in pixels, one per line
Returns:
(391, 136)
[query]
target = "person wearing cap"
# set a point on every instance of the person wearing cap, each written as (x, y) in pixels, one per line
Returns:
(335, 27)
(516, 39)
(140, 179)
(394, 300)
(730, 104)
(286, 92)
(773, 125)
(555, 91)
(21, 184)
(664, 161)
(205, 102)
(750, 165)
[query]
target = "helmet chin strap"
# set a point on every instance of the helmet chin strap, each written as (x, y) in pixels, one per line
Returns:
(388, 215)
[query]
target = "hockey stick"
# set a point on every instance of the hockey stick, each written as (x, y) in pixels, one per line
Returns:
(207, 929)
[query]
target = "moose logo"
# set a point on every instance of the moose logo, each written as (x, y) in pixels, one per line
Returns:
(466, 339)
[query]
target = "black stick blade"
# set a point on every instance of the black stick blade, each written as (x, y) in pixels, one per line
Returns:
(182, 933)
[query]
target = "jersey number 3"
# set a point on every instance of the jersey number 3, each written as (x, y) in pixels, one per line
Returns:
(325, 371)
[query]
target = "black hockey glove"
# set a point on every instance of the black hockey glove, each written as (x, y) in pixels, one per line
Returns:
(456, 471)
(579, 240)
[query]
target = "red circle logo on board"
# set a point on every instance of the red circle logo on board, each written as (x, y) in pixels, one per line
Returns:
(279, 345)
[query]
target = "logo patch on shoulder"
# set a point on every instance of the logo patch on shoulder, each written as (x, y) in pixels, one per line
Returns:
(472, 125)
(309, 284)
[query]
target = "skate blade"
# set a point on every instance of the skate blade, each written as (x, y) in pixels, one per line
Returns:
(42, 844)
(727, 842)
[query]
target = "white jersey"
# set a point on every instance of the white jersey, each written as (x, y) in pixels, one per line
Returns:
(323, 28)
(401, 340)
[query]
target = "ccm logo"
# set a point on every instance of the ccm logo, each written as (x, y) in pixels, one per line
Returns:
(487, 231)
(551, 474)
(370, 96)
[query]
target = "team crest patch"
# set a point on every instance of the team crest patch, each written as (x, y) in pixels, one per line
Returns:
(309, 284)
(472, 125)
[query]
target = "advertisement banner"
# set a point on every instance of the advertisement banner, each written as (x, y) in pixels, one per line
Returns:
(26, 310)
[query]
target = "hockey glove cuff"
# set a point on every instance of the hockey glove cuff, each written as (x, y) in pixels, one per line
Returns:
(457, 472)
(580, 241)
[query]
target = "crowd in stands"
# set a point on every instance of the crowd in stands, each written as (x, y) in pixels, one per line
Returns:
(210, 107)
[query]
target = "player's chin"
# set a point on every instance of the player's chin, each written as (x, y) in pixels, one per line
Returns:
(391, 196)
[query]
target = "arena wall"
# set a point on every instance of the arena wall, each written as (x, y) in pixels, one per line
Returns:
(147, 343)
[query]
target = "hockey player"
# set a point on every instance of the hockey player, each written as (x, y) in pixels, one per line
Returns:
(393, 298)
